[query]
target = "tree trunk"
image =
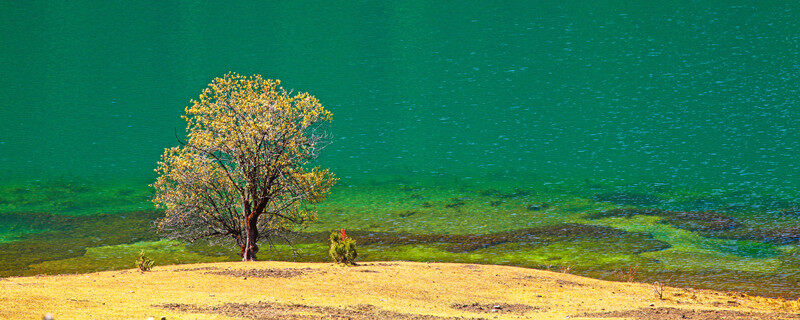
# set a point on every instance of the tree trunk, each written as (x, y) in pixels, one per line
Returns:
(251, 233)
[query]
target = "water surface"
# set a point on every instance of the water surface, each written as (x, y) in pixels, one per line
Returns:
(517, 125)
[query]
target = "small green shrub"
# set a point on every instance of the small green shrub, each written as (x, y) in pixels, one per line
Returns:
(343, 248)
(144, 263)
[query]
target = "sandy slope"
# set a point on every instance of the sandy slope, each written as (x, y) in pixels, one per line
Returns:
(373, 290)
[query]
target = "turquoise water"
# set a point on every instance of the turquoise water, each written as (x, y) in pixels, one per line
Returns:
(497, 121)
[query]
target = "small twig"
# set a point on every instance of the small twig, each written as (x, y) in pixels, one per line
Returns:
(182, 143)
(658, 290)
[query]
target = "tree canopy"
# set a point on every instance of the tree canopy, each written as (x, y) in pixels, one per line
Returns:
(244, 170)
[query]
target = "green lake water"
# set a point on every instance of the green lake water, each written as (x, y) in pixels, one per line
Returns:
(619, 140)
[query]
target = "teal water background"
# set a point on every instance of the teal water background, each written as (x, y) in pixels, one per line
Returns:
(449, 118)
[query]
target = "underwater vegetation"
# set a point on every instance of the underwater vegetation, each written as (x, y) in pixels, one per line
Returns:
(688, 220)
(711, 224)
(64, 237)
(530, 237)
(73, 196)
(633, 242)
(547, 226)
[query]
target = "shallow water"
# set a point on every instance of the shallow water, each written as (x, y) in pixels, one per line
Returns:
(509, 125)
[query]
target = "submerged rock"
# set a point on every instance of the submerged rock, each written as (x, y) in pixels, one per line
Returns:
(537, 207)
(456, 202)
(627, 198)
(408, 213)
(774, 235)
(534, 237)
(794, 210)
(688, 220)
(517, 193)
(541, 236)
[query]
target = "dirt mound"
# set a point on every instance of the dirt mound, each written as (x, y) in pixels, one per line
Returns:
(496, 308)
(261, 273)
(675, 313)
(276, 311)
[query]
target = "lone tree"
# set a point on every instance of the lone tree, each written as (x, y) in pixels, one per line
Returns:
(243, 171)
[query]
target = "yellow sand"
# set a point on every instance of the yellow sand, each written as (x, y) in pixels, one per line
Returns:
(401, 287)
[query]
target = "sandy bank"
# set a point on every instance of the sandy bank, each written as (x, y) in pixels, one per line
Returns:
(373, 290)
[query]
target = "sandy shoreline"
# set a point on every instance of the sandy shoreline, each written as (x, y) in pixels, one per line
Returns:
(373, 290)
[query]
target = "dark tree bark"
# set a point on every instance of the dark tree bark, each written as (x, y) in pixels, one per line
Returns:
(250, 248)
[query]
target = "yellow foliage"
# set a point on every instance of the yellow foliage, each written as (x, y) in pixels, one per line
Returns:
(248, 145)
